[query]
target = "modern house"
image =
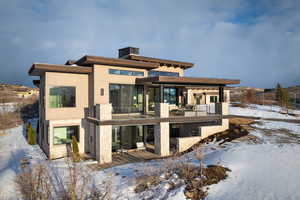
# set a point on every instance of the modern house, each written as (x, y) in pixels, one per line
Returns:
(118, 104)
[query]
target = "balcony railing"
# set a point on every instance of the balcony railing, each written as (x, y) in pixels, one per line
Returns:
(195, 111)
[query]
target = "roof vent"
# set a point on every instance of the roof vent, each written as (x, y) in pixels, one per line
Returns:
(124, 52)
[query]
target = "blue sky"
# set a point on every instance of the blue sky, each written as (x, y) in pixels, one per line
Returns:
(255, 41)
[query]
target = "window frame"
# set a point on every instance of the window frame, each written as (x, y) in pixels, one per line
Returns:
(61, 86)
(118, 97)
(153, 73)
(123, 72)
(77, 135)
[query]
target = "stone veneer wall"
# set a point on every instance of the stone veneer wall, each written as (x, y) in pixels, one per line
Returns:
(161, 130)
(104, 134)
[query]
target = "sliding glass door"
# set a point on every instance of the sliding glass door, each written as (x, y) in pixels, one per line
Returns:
(126, 137)
(126, 98)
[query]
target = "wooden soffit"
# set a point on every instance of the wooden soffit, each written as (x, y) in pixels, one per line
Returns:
(186, 80)
(38, 68)
(166, 62)
(91, 60)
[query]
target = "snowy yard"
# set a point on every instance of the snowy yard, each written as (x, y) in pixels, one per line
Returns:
(262, 111)
(266, 170)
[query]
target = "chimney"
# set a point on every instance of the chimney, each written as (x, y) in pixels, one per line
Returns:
(124, 52)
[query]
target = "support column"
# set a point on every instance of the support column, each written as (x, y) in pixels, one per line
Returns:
(222, 108)
(103, 134)
(161, 130)
(146, 99)
(161, 94)
(221, 94)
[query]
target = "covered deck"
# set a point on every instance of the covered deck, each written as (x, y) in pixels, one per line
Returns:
(176, 92)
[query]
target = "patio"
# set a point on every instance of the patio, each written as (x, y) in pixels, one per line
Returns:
(125, 158)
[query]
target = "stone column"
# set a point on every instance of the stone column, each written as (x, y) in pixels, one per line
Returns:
(161, 130)
(104, 134)
(222, 108)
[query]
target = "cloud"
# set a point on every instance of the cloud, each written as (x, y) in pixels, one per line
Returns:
(255, 42)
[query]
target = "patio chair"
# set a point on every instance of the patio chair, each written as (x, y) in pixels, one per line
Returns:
(140, 146)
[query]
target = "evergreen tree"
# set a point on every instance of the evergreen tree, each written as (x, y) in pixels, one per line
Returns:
(285, 99)
(75, 149)
(278, 94)
(31, 135)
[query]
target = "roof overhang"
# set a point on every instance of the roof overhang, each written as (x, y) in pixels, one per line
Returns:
(170, 63)
(91, 60)
(38, 68)
(187, 81)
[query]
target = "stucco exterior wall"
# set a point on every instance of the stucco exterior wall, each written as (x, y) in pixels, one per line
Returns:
(207, 131)
(184, 143)
(80, 81)
(205, 99)
(60, 150)
(102, 79)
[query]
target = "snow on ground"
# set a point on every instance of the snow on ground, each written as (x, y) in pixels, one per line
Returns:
(7, 107)
(262, 111)
(13, 148)
(259, 171)
(292, 127)
(264, 171)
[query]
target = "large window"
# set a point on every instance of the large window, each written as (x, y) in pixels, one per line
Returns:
(161, 73)
(63, 135)
(126, 72)
(62, 97)
(170, 96)
(126, 98)
(126, 137)
(154, 97)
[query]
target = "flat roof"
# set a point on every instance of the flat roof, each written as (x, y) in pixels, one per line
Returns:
(186, 80)
(166, 62)
(91, 60)
(38, 68)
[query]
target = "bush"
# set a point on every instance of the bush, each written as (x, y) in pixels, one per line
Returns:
(39, 182)
(75, 150)
(31, 135)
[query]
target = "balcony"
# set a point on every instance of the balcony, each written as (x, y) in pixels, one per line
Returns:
(211, 113)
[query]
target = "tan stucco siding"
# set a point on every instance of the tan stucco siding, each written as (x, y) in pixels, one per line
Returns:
(80, 81)
(205, 99)
(102, 79)
(58, 151)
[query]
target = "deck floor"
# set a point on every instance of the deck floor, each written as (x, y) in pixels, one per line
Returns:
(127, 157)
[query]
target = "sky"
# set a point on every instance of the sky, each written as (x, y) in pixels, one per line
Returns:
(257, 42)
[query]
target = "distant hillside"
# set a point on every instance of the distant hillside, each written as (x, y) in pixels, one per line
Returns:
(264, 95)
(16, 93)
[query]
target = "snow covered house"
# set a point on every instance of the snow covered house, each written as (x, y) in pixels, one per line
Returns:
(130, 102)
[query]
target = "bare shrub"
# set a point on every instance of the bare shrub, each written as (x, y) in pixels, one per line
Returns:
(250, 96)
(34, 183)
(75, 183)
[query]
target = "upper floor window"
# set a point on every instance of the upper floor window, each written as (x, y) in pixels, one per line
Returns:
(161, 73)
(62, 96)
(126, 72)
